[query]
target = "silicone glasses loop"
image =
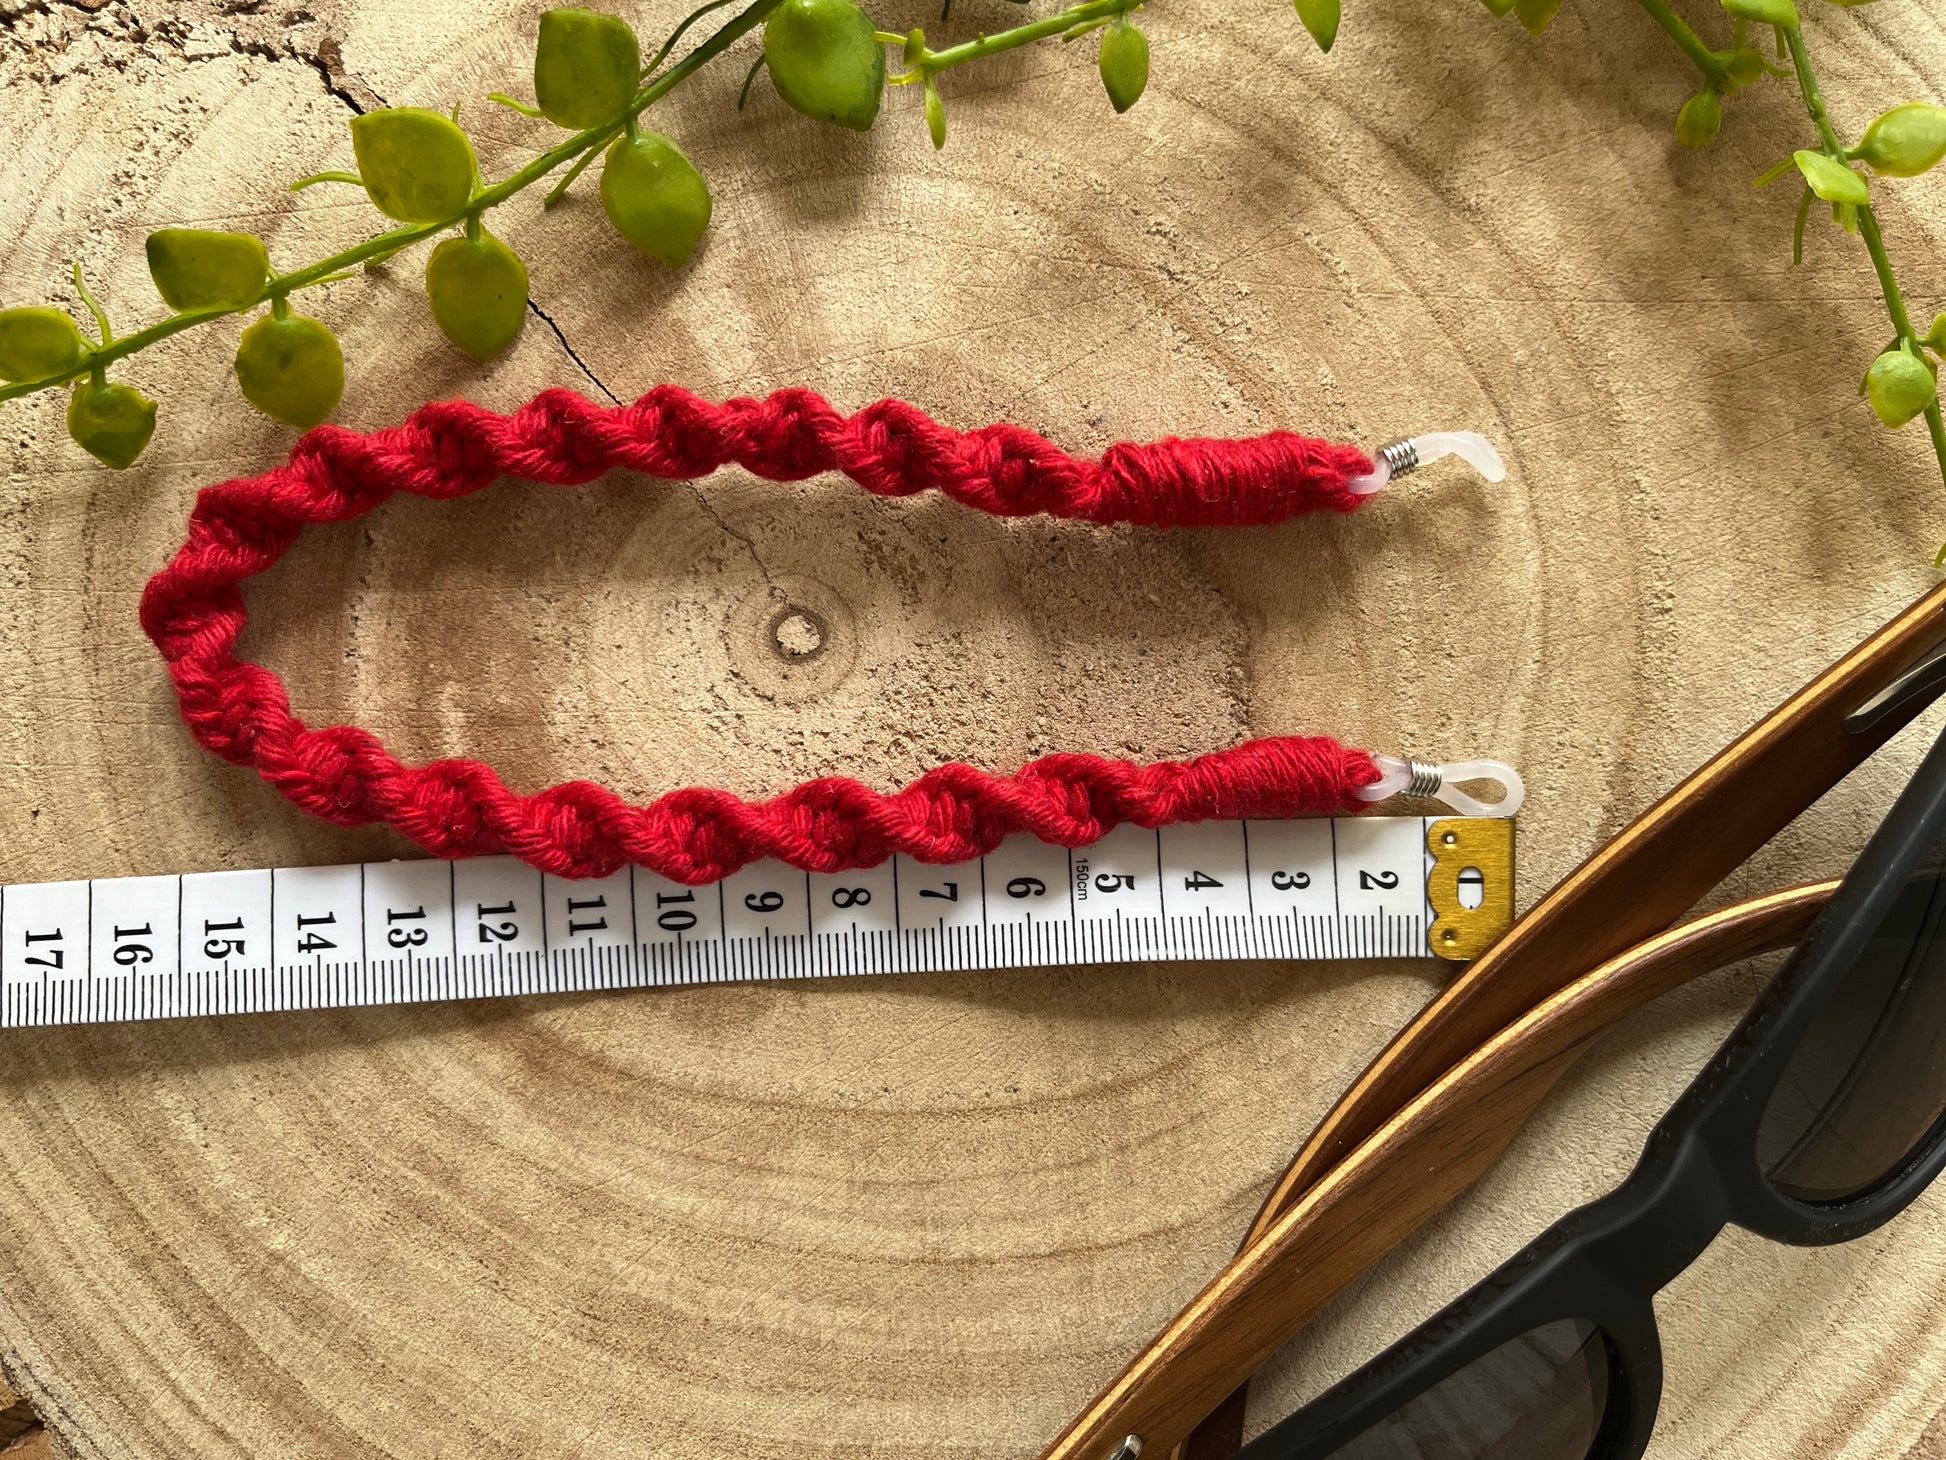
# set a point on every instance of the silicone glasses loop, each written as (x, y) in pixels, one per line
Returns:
(1396, 458)
(1401, 777)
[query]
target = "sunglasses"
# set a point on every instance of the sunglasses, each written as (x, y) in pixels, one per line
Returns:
(1820, 1119)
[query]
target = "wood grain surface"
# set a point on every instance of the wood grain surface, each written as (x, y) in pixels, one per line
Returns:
(930, 1216)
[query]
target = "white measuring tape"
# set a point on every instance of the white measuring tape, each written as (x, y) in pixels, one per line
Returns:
(399, 932)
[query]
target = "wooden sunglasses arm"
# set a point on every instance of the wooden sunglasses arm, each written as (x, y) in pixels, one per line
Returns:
(1641, 882)
(1415, 1163)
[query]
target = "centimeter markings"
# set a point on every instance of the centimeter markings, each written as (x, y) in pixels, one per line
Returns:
(399, 932)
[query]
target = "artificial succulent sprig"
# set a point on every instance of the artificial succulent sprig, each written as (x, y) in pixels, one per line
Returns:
(1906, 141)
(418, 168)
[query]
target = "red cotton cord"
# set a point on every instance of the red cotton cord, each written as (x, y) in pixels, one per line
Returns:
(193, 609)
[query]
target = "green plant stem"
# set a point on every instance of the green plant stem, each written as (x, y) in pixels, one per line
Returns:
(933, 62)
(559, 190)
(102, 327)
(1692, 44)
(677, 34)
(390, 242)
(1807, 84)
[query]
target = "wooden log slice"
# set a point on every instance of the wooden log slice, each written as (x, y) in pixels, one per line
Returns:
(924, 1216)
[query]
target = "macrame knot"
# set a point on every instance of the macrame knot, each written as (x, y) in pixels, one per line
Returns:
(789, 435)
(673, 434)
(696, 835)
(893, 449)
(1029, 475)
(444, 809)
(232, 709)
(334, 474)
(451, 452)
(329, 773)
(572, 829)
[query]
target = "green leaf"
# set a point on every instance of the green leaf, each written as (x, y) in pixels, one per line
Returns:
(194, 268)
(1905, 141)
(654, 196)
(1699, 118)
(586, 68)
(331, 176)
(417, 165)
(112, 423)
(1499, 8)
(1900, 385)
(1124, 64)
(825, 61)
(38, 342)
(1320, 17)
(515, 104)
(1831, 179)
(478, 289)
(1535, 14)
(1765, 12)
(1742, 65)
(1935, 338)
(291, 369)
(935, 116)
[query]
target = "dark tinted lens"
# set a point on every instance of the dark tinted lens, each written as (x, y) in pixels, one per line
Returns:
(1868, 1082)
(1537, 1397)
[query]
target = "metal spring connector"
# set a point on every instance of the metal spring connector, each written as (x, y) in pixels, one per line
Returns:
(1426, 779)
(1399, 457)
(1129, 1449)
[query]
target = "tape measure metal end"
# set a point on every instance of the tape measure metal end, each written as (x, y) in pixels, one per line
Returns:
(1471, 885)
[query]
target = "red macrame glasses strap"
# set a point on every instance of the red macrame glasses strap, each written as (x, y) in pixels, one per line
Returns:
(193, 610)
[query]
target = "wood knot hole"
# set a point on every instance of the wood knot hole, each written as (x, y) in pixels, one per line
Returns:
(797, 634)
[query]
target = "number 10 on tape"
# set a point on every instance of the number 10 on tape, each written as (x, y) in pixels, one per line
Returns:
(393, 932)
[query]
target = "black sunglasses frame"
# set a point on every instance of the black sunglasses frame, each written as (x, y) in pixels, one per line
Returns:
(1699, 1172)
